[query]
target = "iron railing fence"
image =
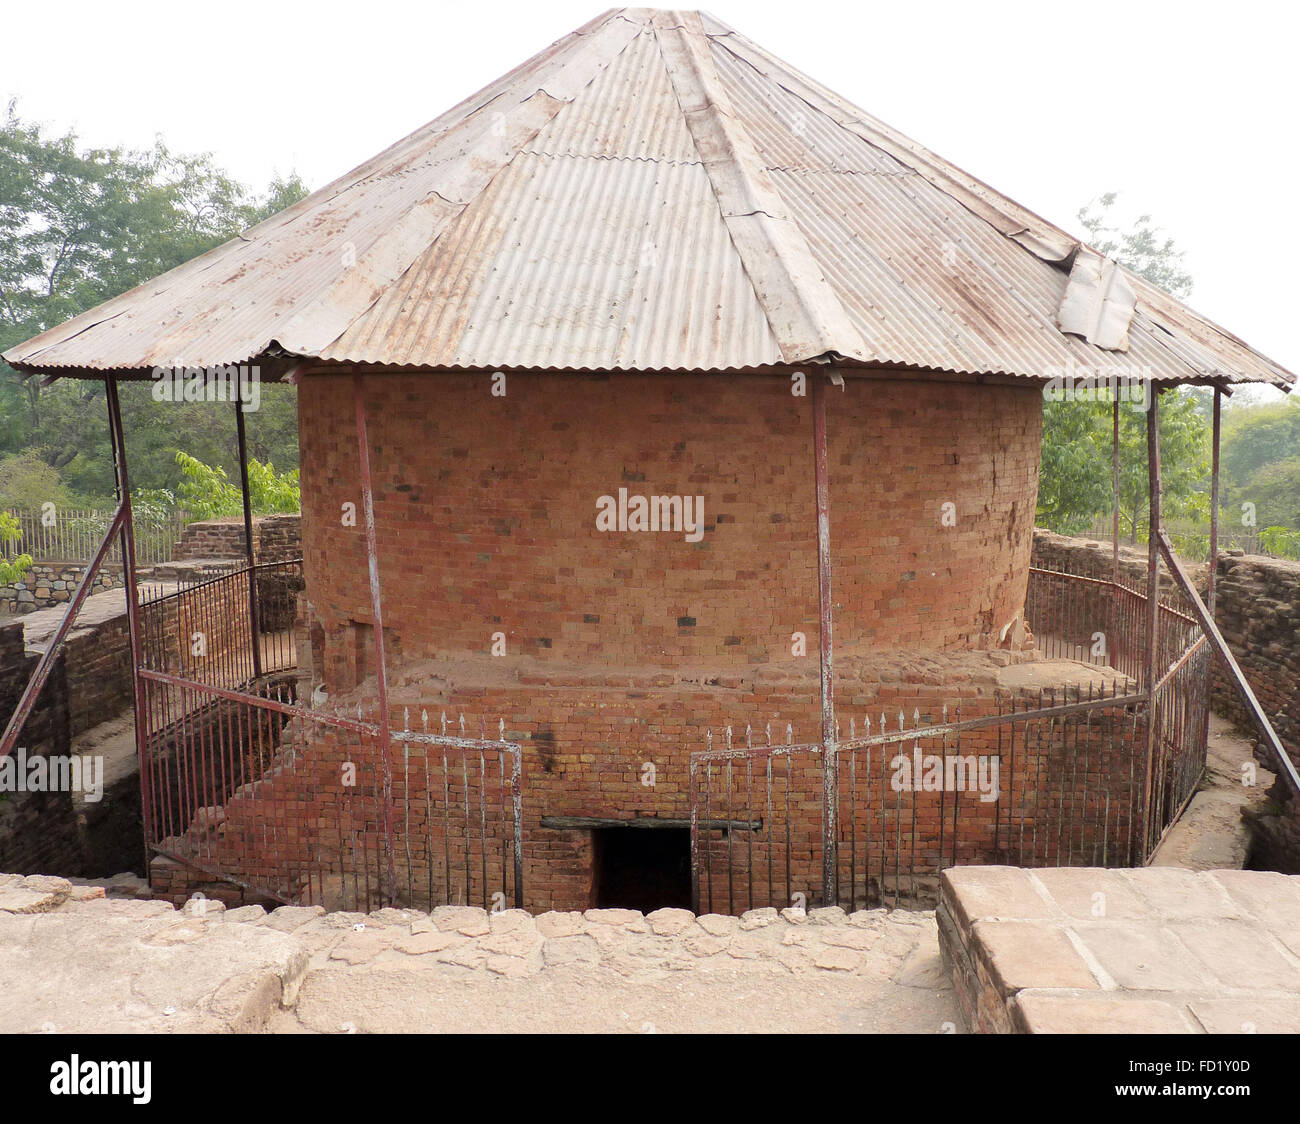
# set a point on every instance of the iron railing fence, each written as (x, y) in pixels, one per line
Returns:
(1087, 775)
(309, 805)
(1104, 622)
(1192, 540)
(205, 630)
(1057, 782)
(71, 535)
(1181, 709)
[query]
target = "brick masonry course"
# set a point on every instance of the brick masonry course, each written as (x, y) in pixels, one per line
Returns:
(275, 539)
(485, 510)
(623, 648)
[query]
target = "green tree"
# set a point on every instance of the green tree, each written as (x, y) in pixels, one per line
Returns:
(1260, 462)
(10, 534)
(206, 493)
(1184, 462)
(26, 481)
(79, 226)
(1144, 247)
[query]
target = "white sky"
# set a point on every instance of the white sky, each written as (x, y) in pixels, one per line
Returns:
(1188, 109)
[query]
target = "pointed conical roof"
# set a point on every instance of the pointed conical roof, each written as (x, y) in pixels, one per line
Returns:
(653, 192)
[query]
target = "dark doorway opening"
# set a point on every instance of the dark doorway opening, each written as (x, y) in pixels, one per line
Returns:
(642, 868)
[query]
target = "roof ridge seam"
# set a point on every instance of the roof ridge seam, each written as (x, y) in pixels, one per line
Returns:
(805, 314)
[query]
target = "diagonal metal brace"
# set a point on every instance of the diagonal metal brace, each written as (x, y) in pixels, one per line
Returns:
(1202, 614)
(46, 664)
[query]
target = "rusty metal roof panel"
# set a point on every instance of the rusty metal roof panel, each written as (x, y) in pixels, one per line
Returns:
(626, 261)
(652, 192)
(604, 233)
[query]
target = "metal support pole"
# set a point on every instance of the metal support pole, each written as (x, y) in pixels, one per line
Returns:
(1153, 606)
(825, 647)
(1214, 503)
(1114, 474)
(132, 592)
(1115, 629)
(1214, 556)
(377, 612)
(253, 622)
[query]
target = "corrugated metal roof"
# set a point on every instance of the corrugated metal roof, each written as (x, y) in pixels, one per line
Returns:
(652, 192)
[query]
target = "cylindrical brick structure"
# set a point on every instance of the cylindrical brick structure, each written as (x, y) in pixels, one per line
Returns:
(610, 653)
(487, 516)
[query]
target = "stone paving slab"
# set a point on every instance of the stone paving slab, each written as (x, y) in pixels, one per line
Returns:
(72, 960)
(1155, 950)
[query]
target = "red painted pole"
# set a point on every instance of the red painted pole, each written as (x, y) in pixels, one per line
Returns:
(1214, 560)
(377, 612)
(1112, 654)
(825, 646)
(254, 630)
(1214, 503)
(129, 586)
(1153, 609)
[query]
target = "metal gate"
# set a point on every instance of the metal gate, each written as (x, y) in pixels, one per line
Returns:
(311, 805)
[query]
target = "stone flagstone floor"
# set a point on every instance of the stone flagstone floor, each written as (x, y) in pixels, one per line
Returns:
(73, 961)
(1159, 950)
(1066, 949)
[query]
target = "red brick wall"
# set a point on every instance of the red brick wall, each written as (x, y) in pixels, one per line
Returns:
(485, 510)
(275, 539)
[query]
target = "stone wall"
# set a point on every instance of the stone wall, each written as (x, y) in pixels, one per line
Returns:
(1257, 608)
(48, 584)
(38, 830)
(278, 537)
(1090, 559)
(147, 967)
(96, 658)
(1159, 950)
(212, 538)
(1258, 611)
(275, 539)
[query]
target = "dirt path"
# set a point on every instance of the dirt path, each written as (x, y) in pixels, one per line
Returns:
(1211, 834)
